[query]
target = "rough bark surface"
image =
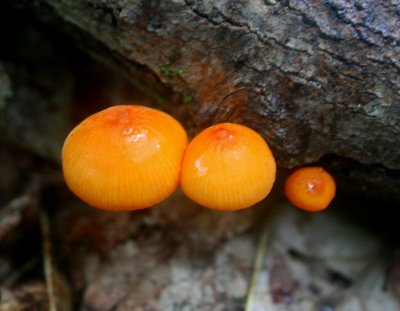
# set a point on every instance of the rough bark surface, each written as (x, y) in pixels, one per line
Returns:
(314, 77)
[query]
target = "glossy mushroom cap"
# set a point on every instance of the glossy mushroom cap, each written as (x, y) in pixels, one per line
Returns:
(228, 167)
(310, 188)
(124, 158)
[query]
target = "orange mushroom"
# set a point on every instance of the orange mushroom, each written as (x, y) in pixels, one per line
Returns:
(124, 158)
(310, 188)
(228, 167)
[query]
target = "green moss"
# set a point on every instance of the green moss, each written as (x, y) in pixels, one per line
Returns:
(187, 98)
(166, 71)
(165, 67)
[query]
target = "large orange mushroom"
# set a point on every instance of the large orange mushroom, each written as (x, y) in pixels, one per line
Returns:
(124, 158)
(228, 167)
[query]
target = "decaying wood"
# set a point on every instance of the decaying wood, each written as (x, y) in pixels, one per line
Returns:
(314, 77)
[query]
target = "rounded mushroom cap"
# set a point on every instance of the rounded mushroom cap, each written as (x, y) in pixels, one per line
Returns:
(310, 188)
(228, 167)
(124, 157)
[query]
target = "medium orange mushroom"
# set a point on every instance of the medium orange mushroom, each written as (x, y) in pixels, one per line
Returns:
(228, 167)
(124, 158)
(310, 188)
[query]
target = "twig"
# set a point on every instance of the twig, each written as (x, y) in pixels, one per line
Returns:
(44, 223)
(27, 266)
(260, 254)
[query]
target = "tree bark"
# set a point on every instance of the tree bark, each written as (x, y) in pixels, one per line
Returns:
(313, 77)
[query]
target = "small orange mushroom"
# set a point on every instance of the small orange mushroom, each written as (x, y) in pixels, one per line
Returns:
(124, 158)
(310, 188)
(228, 167)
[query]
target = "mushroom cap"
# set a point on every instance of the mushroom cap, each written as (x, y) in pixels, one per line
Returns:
(310, 188)
(228, 167)
(124, 157)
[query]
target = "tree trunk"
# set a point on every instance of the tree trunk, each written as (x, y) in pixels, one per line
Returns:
(314, 77)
